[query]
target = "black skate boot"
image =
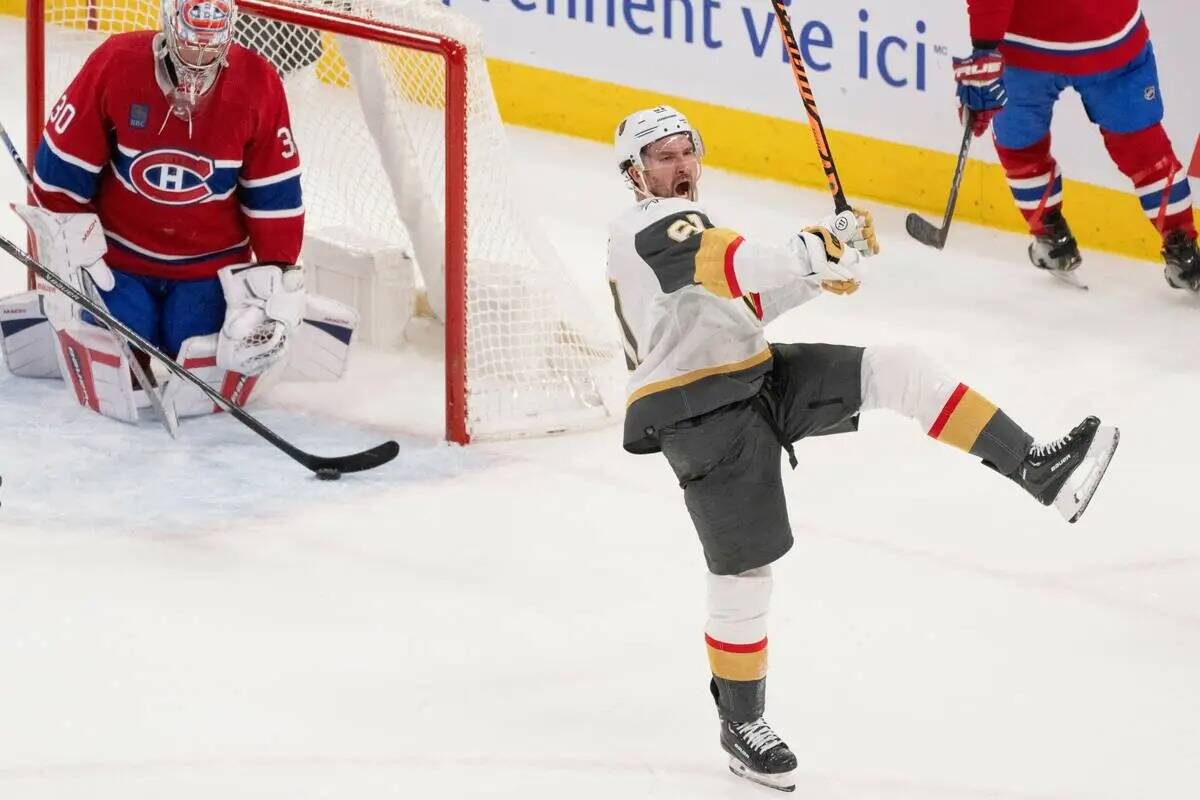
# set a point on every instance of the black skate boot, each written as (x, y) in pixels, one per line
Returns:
(757, 754)
(1067, 471)
(1055, 250)
(1183, 261)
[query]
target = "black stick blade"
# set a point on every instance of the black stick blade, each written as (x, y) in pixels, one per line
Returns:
(924, 231)
(355, 462)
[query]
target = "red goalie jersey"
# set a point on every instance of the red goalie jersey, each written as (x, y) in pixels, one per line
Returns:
(177, 199)
(1070, 37)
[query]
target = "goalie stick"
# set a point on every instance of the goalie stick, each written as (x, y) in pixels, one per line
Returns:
(322, 466)
(925, 231)
(170, 421)
(840, 203)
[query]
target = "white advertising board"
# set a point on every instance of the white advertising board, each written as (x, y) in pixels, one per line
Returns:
(880, 68)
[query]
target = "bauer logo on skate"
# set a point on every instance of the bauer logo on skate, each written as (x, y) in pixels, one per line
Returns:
(172, 177)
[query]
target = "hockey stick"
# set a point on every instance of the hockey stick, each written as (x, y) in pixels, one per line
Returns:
(169, 420)
(840, 203)
(326, 468)
(16, 157)
(920, 228)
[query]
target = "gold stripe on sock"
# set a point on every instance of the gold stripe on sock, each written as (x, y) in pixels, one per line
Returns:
(968, 420)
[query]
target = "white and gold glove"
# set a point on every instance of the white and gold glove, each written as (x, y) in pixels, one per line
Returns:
(835, 246)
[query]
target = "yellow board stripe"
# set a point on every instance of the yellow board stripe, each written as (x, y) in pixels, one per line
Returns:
(738, 666)
(710, 261)
(695, 375)
(970, 416)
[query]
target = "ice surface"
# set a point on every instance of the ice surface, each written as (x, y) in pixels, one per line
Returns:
(523, 620)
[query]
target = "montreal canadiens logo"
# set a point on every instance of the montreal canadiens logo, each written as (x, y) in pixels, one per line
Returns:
(172, 177)
(206, 15)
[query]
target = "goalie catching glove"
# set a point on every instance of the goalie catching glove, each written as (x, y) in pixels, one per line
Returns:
(835, 246)
(263, 306)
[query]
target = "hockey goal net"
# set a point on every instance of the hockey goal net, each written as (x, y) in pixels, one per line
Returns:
(402, 147)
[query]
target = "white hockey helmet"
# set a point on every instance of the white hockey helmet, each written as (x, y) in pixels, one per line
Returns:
(644, 127)
(196, 36)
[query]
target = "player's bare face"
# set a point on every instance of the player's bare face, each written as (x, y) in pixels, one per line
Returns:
(672, 168)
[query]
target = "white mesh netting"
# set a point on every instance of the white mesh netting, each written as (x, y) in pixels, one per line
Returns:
(369, 122)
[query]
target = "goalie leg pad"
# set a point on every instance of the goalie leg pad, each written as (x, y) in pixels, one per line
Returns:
(198, 355)
(320, 348)
(96, 371)
(26, 338)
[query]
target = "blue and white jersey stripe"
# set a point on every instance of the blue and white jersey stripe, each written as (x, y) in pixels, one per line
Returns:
(273, 197)
(55, 170)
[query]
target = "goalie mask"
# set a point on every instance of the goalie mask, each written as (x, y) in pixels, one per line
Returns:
(196, 36)
(659, 153)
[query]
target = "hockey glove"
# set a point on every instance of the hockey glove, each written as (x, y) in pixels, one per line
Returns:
(263, 306)
(829, 259)
(70, 245)
(981, 90)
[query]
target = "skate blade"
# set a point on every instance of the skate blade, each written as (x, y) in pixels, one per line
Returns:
(1069, 278)
(1076, 493)
(784, 781)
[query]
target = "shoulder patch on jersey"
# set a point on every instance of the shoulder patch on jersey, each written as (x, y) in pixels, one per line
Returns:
(139, 113)
(670, 245)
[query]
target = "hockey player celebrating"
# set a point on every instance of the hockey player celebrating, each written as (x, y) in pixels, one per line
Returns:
(170, 183)
(1026, 52)
(710, 393)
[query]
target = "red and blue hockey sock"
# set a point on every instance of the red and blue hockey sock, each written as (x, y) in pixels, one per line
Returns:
(1147, 159)
(1035, 181)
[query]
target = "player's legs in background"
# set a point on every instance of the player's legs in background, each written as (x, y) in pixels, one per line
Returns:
(1022, 134)
(1064, 472)
(190, 308)
(1127, 104)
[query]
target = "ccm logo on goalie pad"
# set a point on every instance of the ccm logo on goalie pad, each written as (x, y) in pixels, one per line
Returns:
(172, 177)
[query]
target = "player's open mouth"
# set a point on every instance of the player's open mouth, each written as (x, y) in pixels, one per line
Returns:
(683, 188)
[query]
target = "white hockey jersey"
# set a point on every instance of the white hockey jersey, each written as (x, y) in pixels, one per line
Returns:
(691, 300)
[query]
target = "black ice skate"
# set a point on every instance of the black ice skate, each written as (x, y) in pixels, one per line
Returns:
(1183, 261)
(1067, 471)
(1056, 250)
(757, 754)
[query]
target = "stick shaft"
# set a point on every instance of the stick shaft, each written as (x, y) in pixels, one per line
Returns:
(959, 169)
(840, 203)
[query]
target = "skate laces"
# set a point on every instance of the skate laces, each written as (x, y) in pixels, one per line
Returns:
(758, 735)
(1049, 448)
